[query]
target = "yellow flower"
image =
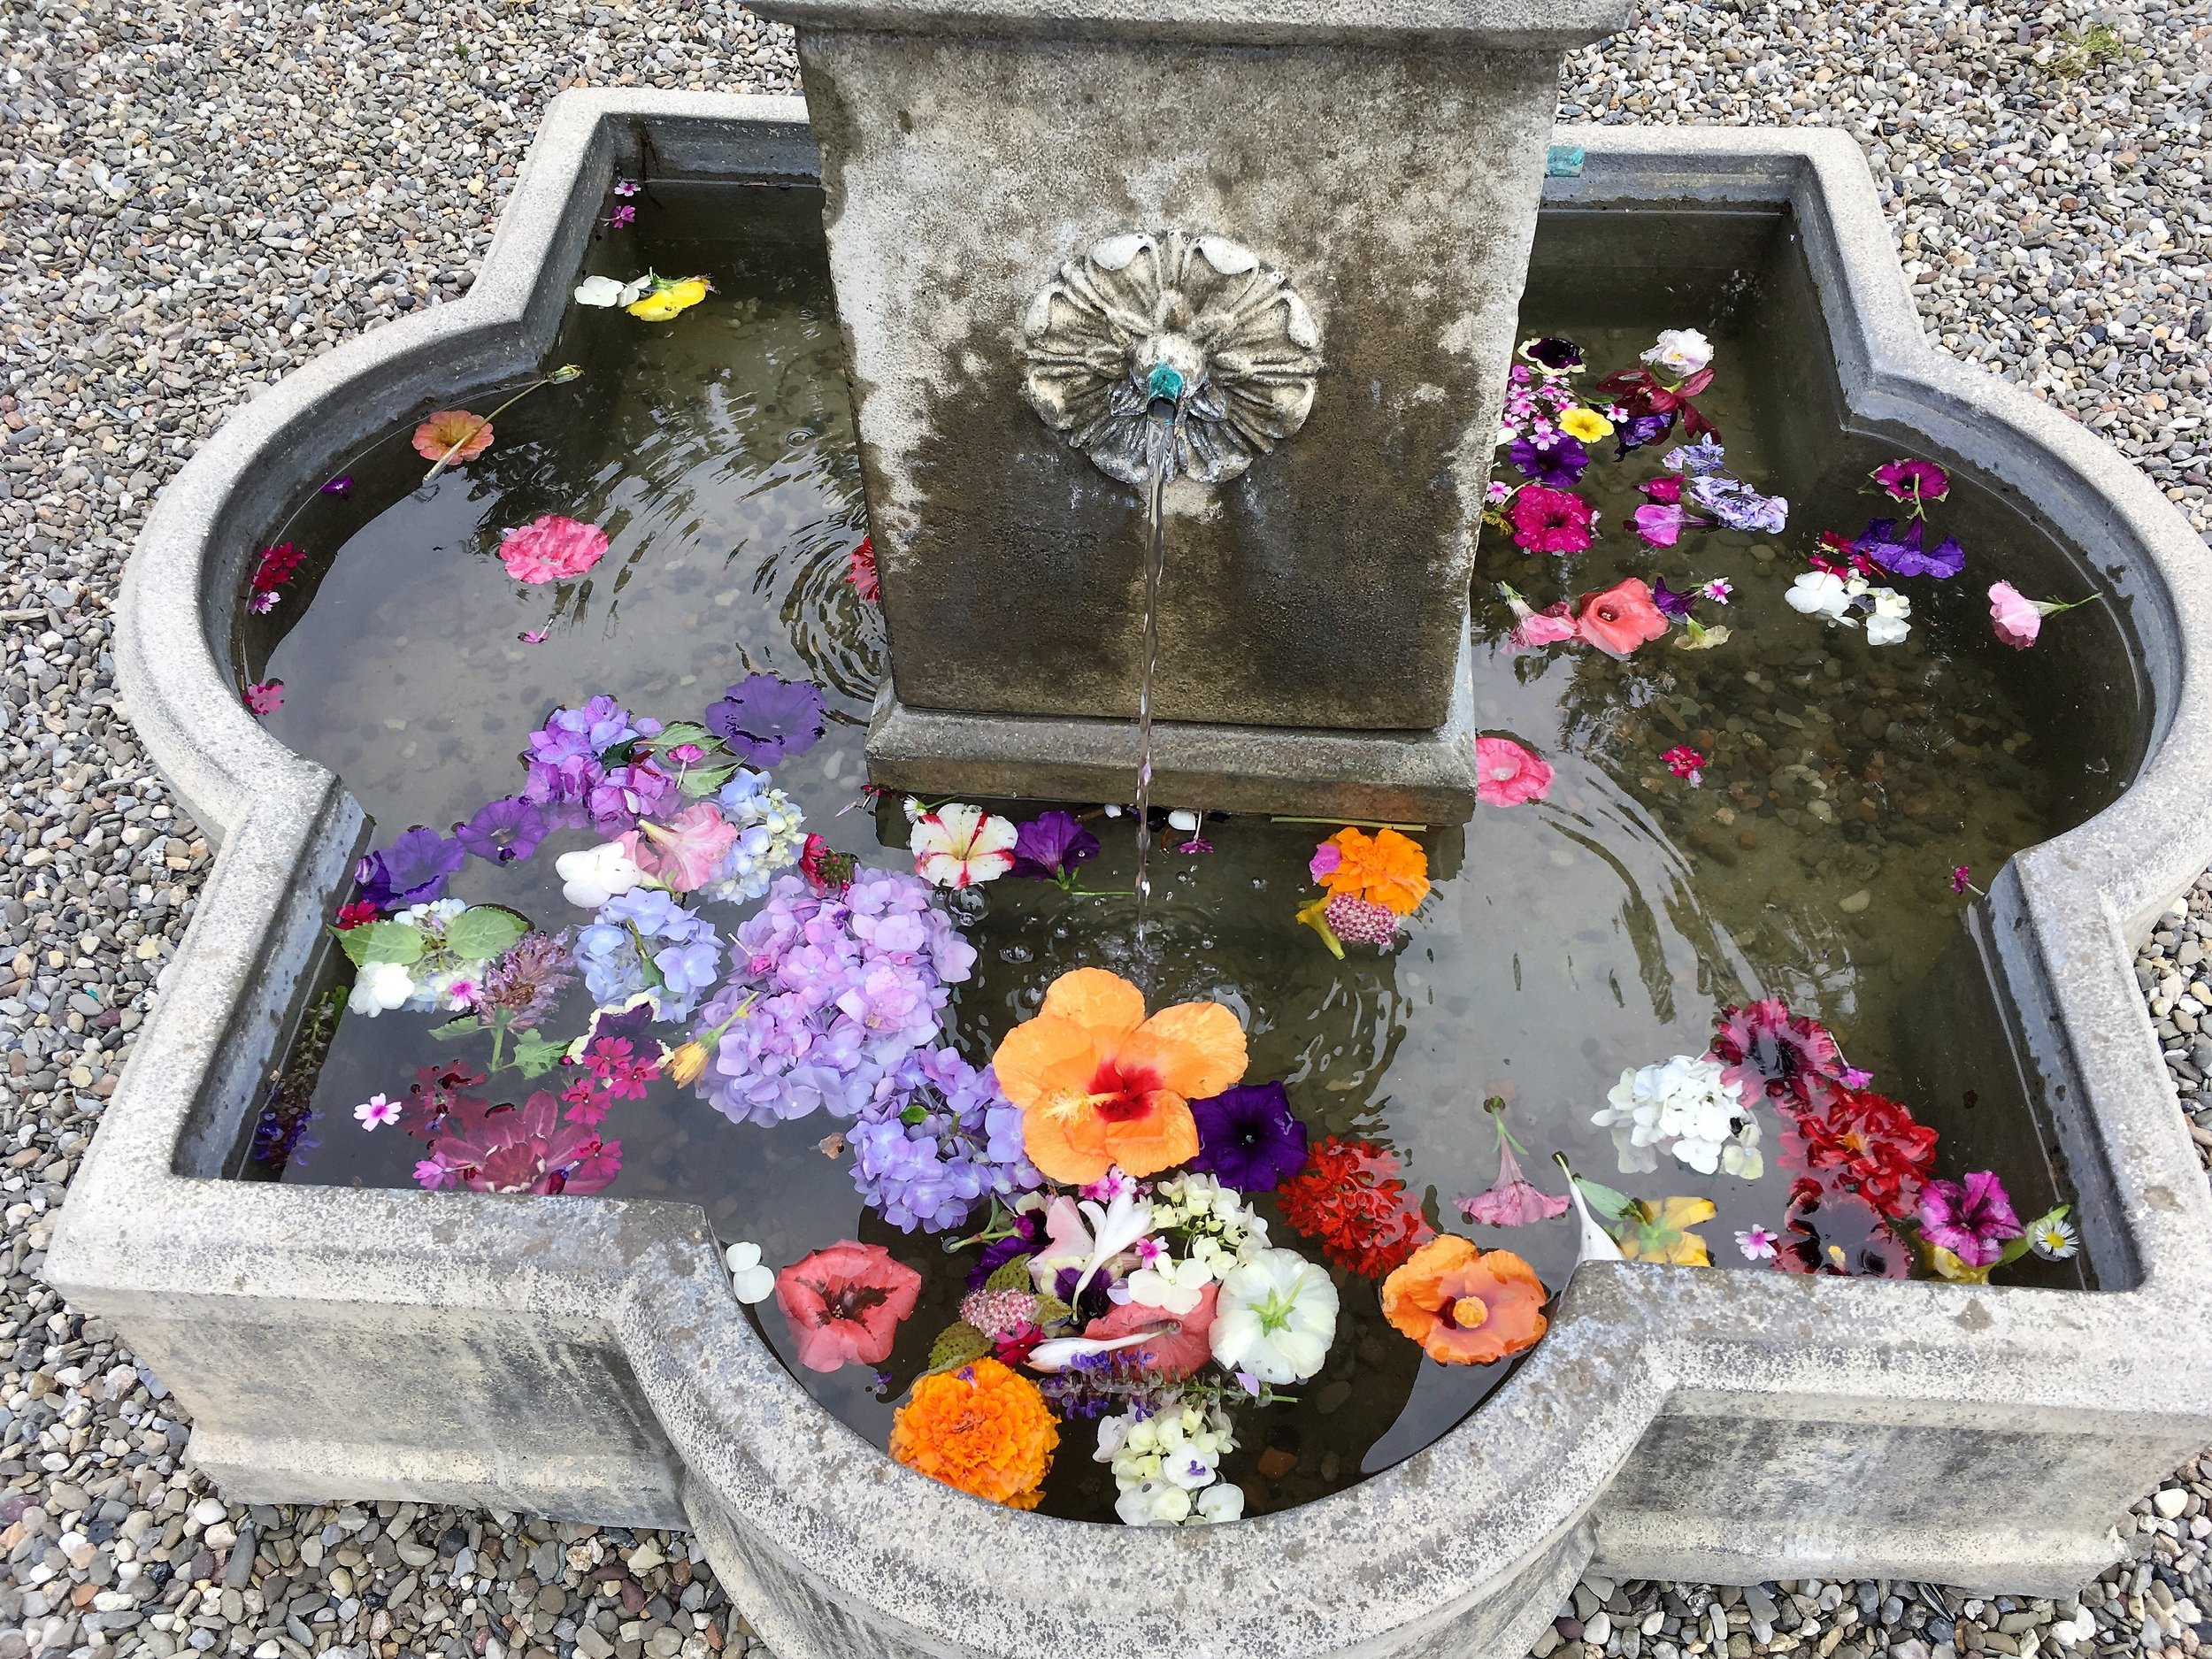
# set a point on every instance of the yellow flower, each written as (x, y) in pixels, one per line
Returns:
(686, 1063)
(1585, 424)
(1664, 1235)
(667, 298)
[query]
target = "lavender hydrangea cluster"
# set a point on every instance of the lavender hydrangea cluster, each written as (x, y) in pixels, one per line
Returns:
(770, 834)
(611, 952)
(828, 996)
(581, 759)
(945, 1137)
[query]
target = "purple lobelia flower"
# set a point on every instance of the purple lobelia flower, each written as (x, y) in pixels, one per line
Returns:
(411, 871)
(1556, 460)
(503, 832)
(765, 717)
(1971, 1220)
(1248, 1139)
(1050, 845)
(1671, 603)
(1905, 556)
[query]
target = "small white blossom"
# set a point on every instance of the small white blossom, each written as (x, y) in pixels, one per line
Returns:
(1684, 1106)
(1887, 624)
(380, 986)
(1820, 594)
(749, 1278)
(590, 878)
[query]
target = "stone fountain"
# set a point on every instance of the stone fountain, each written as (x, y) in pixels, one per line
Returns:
(1318, 217)
(1315, 215)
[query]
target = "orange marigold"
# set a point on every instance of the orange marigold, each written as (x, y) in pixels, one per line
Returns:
(1385, 868)
(982, 1428)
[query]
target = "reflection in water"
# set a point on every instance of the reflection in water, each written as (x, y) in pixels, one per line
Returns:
(1564, 941)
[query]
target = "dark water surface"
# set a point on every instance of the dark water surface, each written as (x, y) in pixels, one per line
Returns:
(1565, 941)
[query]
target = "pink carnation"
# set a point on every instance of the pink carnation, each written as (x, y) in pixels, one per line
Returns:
(551, 549)
(1507, 774)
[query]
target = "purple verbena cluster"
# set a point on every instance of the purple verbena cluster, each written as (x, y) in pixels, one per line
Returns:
(827, 997)
(582, 759)
(945, 1137)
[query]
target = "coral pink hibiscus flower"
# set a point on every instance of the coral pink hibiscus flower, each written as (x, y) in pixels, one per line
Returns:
(845, 1303)
(1507, 774)
(1621, 618)
(551, 549)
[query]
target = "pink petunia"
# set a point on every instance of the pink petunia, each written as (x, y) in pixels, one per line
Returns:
(1547, 520)
(551, 549)
(265, 696)
(2018, 619)
(1507, 774)
(1658, 524)
(1512, 1200)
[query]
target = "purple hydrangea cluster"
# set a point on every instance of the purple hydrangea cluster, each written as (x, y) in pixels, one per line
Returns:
(581, 759)
(827, 996)
(686, 951)
(945, 1137)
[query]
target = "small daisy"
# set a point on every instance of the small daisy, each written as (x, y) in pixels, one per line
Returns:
(1757, 1244)
(752, 1281)
(2053, 1239)
(376, 1110)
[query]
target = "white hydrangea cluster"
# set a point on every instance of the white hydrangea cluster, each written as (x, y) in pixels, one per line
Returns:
(771, 835)
(1687, 1107)
(1832, 598)
(1220, 1228)
(1168, 1466)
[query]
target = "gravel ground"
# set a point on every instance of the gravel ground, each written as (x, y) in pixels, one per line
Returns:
(173, 235)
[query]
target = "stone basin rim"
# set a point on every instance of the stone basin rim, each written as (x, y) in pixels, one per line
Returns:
(146, 1232)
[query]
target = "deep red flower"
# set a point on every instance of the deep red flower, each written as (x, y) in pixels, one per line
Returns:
(276, 567)
(862, 573)
(1840, 1235)
(356, 915)
(1855, 1140)
(1350, 1197)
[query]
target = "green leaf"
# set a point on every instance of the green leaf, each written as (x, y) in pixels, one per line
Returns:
(536, 1055)
(483, 931)
(916, 1113)
(705, 780)
(454, 1030)
(382, 941)
(1052, 1310)
(1612, 1205)
(958, 1344)
(1012, 1275)
(682, 731)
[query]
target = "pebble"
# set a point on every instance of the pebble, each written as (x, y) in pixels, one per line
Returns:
(173, 238)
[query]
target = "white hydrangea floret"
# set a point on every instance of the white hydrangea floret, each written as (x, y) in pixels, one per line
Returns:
(590, 878)
(1887, 624)
(1275, 1318)
(1821, 593)
(379, 988)
(1684, 1106)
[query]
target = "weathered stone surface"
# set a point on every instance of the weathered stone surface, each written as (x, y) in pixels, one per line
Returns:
(1397, 191)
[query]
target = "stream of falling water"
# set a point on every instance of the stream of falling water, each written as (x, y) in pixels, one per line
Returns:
(1162, 453)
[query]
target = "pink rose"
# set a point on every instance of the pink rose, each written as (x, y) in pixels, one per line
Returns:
(1506, 775)
(2018, 619)
(551, 549)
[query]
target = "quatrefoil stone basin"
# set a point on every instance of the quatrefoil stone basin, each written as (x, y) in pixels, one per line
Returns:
(1196, 319)
(586, 1358)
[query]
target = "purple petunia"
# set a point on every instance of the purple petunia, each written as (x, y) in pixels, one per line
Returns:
(411, 871)
(1639, 430)
(1671, 603)
(1556, 460)
(1905, 556)
(1048, 847)
(1739, 506)
(503, 832)
(767, 718)
(1248, 1138)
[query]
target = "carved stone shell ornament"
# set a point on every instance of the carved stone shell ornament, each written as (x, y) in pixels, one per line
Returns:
(1191, 317)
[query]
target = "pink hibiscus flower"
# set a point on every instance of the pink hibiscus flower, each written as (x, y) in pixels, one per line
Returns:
(551, 549)
(1507, 774)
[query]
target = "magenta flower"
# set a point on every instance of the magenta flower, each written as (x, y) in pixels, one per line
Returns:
(1512, 1200)
(1666, 489)
(1325, 858)
(1685, 763)
(551, 549)
(375, 1111)
(433, 1173)
(1757, 1244)
(1916, 482)
(341, 486)
(1972, 1221)
(1534, 629)
(1962, 877)
(265, 696)
(1547, 520)
(1771, 1052)
(1660, 523)
(622, 216)
(626, 186)
(1507, 774)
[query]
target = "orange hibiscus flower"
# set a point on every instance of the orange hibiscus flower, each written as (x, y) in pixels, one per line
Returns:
(438, 436)
(1465, 1306)
(1100, 1085)
(1385, 868)
(982, 1428)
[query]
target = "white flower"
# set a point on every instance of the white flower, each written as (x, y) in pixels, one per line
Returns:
(599, 290)
(381, 986)
(1182, 819)
(1153, 1502)
(749, 1278)
(1222, 1501)
(1276, 1317)
(961, 846)
(1887, 626)
(1680, 352)
(1174, 1286)
(2053, 1238)
(1684, 1106)
(592, 876)
(1820, 594)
